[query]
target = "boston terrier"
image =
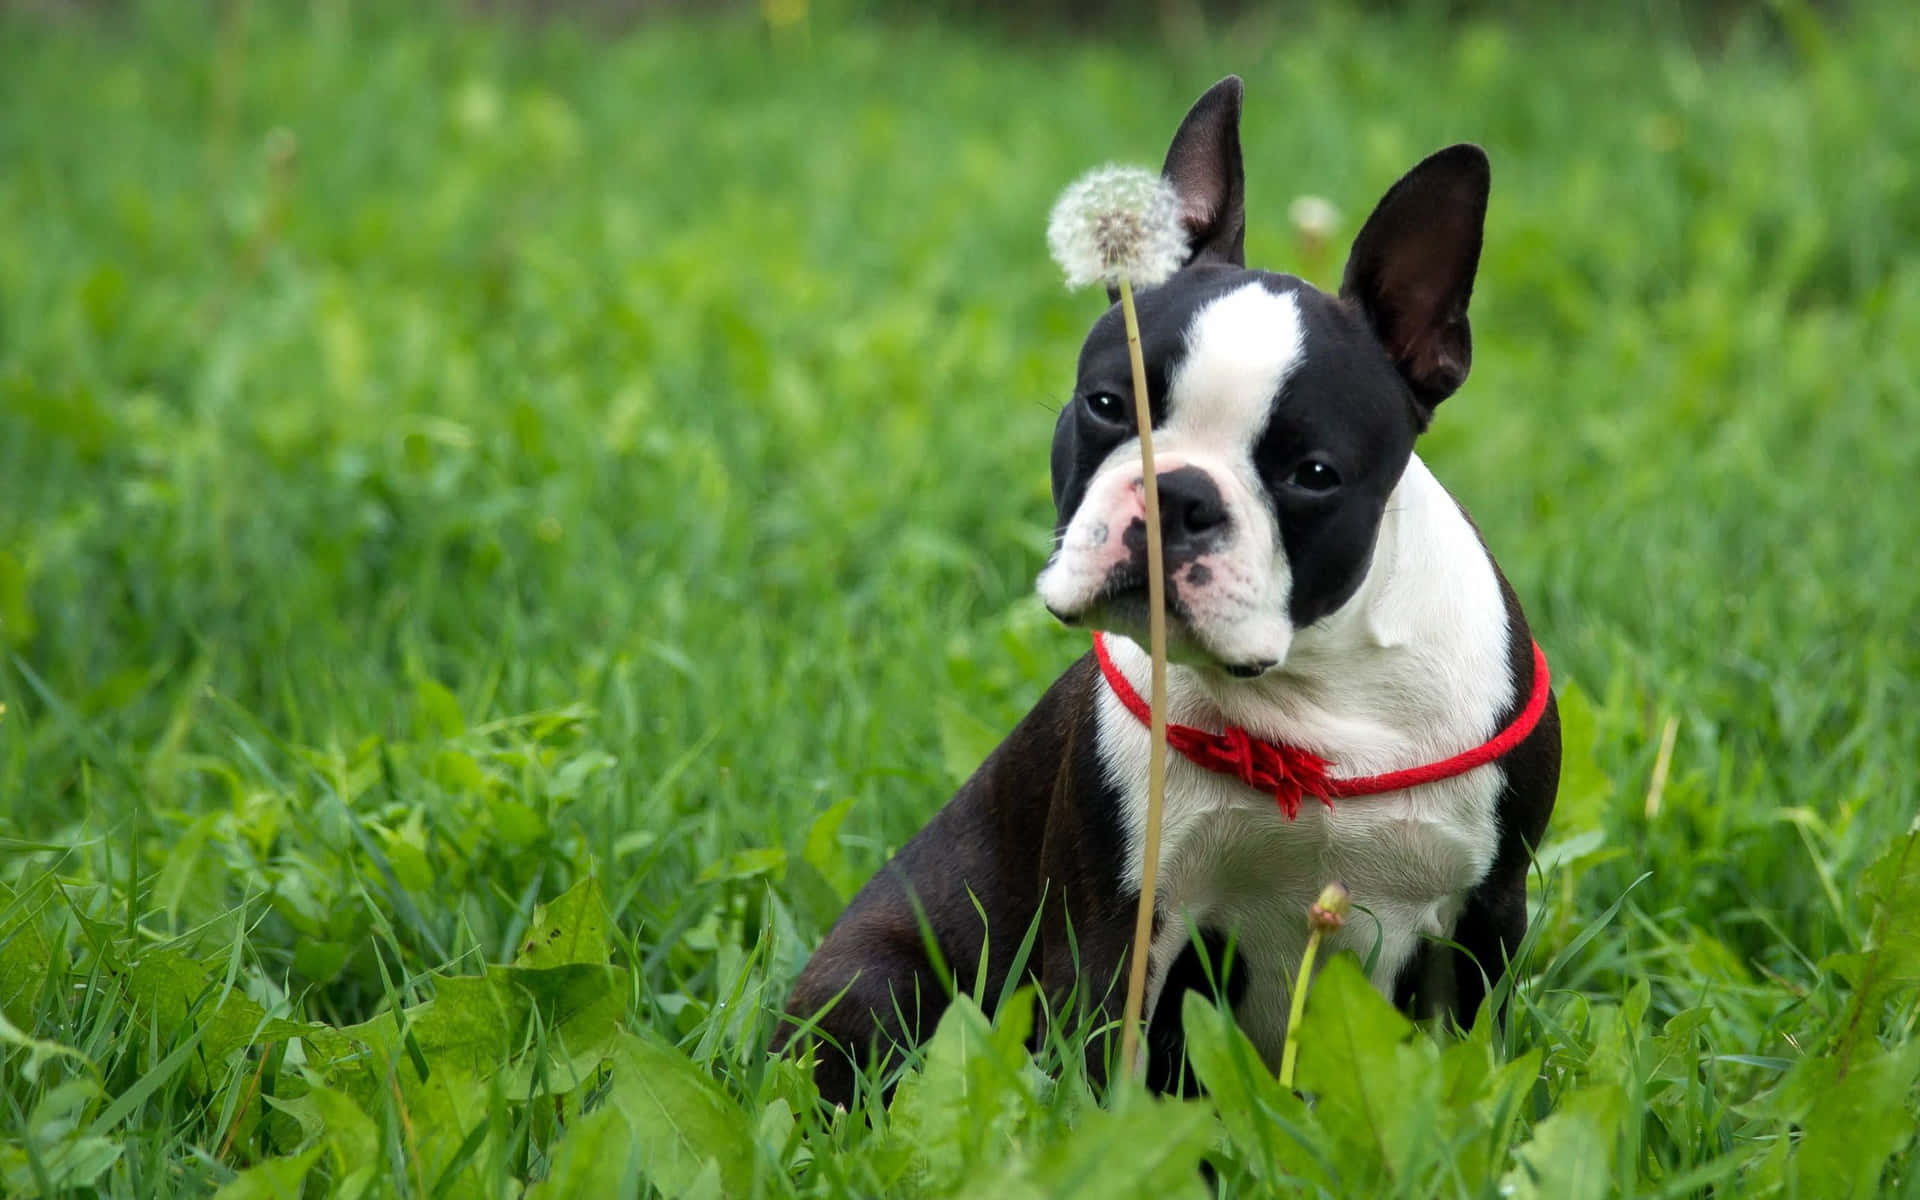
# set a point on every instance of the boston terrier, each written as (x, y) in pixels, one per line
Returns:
(1354, 694)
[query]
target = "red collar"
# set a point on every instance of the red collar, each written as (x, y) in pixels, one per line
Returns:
(1289, 773)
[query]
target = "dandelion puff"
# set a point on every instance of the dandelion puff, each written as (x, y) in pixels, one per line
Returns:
(1121, 226)
(1117, 222)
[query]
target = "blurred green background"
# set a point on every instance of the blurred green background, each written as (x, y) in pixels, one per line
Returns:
(447, 451)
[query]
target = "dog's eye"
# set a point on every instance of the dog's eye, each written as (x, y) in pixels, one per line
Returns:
(1315, 476)
(1107, 407)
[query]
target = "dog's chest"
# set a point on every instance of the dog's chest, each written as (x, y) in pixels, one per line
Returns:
(1232, 864)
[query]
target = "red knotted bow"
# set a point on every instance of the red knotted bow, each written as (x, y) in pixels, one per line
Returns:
(1290, 774)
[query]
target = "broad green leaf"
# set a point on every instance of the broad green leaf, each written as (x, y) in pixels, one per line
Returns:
(471, 1025)
(437, 709)
(1145, 1148)
(173, 991)
(462, 1038)
(570, 928)
(39, 1050)
(26, 955)
(680, 1122)
(320, 960)
(143, 1088)
(330, 1119)
(594, 1155)
(822, 850)
(581, 1008)
(1890, 962)
(70, 1164)
(457, 771)
(1614, 1034)
(1479, 1100)
(770, 861)
(1377, 1085)
(959, 1112)
(66, 1157)
(511, 1035)
(774, 1128)
(1270, 1127)
(1571, 1154)
(1464, 1068)
(274, 1179)
(352, 1136)
(1504, 1098)
(335, 1122)
(598, 1157)
(1854, 1116)
(707, 1185)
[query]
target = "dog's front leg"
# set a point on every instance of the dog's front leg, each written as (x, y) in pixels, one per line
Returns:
(869, 994)
(1085, 934)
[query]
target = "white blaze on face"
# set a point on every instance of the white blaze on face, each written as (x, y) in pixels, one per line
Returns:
(1240, 349)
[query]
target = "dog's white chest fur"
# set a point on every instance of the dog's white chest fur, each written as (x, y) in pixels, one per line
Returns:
(1412, 670)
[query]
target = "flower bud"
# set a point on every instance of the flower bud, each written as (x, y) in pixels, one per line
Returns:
(1329, 912)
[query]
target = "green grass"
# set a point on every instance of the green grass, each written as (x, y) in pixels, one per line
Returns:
(444, 462)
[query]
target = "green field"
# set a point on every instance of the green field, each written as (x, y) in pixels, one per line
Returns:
(480, 501)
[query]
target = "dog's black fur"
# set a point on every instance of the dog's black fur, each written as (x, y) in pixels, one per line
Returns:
(1037, 833)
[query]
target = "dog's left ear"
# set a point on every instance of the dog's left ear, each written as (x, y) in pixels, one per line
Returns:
(1203, 165)
(1411, 269)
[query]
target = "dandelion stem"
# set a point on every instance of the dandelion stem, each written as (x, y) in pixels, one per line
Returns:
(1157, 696)
(1297, 1009)
(1328, 913)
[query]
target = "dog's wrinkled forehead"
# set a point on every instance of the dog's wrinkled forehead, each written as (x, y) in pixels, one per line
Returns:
(1247, 364)
(1169, 323)
(1241, 342)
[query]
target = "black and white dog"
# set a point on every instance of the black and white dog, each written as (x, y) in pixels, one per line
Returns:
(1339, 633)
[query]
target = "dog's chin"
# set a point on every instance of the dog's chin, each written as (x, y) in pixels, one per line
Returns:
(1123, 611)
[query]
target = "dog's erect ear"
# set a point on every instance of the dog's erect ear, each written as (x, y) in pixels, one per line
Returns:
(1411, 269)
(1203, 164)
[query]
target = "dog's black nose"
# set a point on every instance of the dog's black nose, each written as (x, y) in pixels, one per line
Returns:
(1193, 516)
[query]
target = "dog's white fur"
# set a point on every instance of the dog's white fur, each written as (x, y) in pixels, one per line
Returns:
(1240, 349)
(1411, 669)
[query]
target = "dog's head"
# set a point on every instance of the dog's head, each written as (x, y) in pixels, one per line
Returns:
(1283, 417)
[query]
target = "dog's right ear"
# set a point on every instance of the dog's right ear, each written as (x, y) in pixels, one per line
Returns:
(1412, 266)
(1203, 164)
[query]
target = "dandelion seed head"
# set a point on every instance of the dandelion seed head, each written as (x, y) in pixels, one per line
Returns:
(1117, 221)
